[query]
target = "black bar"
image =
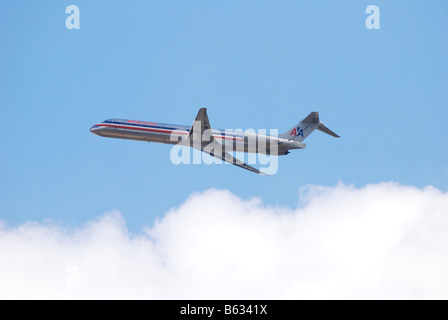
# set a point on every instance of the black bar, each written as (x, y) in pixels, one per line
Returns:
(224, 309)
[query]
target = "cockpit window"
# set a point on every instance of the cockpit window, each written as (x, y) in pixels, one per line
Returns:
(113, 121)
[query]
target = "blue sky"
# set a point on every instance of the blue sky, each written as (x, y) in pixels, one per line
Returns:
(253, 64)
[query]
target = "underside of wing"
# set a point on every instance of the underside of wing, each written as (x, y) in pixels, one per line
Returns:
(202, 139)
(227, 157)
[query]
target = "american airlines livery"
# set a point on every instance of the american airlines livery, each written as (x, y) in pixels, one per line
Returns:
(215, 142)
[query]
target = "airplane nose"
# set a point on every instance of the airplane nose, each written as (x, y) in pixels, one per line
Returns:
(95, 129)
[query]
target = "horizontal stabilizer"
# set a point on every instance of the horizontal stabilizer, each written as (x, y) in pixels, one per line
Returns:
(305, 127)
(324, 129)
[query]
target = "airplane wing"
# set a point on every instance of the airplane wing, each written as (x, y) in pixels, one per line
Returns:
(201, 132)
(227, 157)
(201, 126)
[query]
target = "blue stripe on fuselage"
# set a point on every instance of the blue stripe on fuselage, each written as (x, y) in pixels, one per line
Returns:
(165, 126)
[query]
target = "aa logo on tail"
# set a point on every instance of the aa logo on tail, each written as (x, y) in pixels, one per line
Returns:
(297, 132)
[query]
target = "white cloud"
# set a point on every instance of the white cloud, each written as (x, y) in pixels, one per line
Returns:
(382, 241)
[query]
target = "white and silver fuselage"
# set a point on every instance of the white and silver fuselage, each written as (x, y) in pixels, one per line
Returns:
(247, 141)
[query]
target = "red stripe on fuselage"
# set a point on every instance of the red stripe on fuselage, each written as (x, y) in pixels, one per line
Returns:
(156, 130)
(137, 128)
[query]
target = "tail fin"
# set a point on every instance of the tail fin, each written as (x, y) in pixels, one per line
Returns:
(306, 127)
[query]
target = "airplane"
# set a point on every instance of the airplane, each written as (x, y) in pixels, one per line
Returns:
(212, 141)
